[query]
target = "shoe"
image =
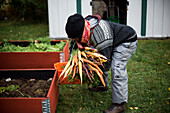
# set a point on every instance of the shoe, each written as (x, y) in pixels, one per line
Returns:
(98, 88)
(116, 108)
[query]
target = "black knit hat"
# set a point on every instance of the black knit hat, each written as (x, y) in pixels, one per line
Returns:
(75, 26)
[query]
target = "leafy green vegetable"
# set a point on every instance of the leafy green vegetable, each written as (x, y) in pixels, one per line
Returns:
(10, 89)
(44, 46)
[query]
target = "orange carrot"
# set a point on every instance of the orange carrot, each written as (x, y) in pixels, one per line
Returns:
(74, 71)
(80, 66)
(71, 69)
(84, 54)
(91, 73)
(88, 48)
(86, 71)
(75, 58)
(88, 61)
(96, 62)
(98, 55)
(66, 73)
(65, 69)
(99, 74)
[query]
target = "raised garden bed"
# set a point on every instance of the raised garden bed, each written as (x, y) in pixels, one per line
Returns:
(32, 60)
(43, 81)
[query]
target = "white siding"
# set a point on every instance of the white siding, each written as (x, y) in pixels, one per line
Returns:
(155, 15)
(59, 11)
(166, 18)
(86, 7)
(150, 17)
(134, 15)
(157, 20)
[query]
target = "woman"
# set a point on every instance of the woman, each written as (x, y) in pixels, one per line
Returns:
(115, 41)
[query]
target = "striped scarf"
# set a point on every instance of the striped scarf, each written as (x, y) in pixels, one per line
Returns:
(86, 33)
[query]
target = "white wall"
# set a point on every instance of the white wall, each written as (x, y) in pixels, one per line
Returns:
(59, 11)
(166, 18)
(134, 15)
(158, 18)
(157, 21)
(86, 8)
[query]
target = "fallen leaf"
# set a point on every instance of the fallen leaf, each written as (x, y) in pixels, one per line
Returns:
(131, 108)
(80, 108)
(101, 101)
(135, 107)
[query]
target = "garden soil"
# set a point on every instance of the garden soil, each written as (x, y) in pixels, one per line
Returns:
(27, 87)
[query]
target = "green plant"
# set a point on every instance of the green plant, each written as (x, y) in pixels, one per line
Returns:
(25, 9)
(33, 47)
(10, 89)
(39, 91)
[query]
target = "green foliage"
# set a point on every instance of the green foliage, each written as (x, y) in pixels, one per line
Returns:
(96, 80)
(44, 46)
(12, 87)
(9, 88)
(25, 9)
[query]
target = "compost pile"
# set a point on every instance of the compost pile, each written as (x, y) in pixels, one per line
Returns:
(24, 87)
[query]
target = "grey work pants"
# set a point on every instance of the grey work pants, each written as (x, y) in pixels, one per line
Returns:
(119, 77)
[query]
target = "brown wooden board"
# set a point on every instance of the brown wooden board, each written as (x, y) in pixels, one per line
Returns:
(33, 104)
(32, 60)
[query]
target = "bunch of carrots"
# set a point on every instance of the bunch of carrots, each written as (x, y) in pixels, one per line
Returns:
(85, 63)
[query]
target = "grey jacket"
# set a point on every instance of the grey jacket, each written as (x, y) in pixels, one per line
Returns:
(106, 35)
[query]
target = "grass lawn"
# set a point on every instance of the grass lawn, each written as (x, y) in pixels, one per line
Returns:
(148, 70)
(22, 30)
(149, 80)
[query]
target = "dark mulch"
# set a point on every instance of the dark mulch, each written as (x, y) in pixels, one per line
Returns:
(27, 88)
